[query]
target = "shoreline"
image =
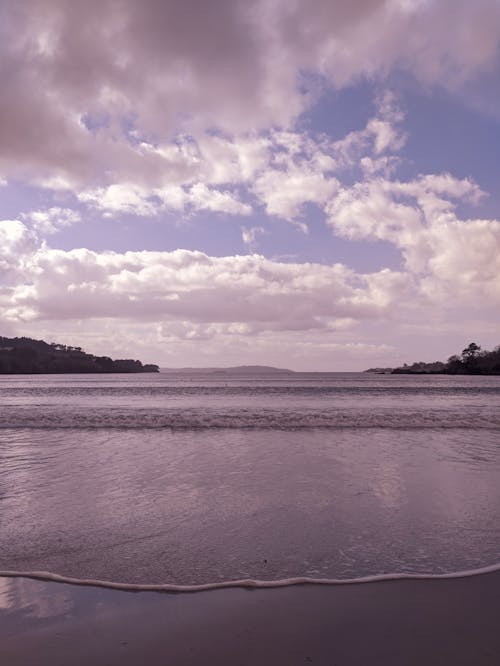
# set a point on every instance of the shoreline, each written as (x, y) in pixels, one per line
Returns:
(407, 621)
(244, 583)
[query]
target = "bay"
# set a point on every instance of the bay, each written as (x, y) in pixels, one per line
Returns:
(174, 478)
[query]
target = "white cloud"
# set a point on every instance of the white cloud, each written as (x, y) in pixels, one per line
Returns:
(285, 192)
(367, 147)
(249, 236)
(16, 242)
(299, 170)
(384, 166)
(184, 285)
(456, 260)
(52, 219)
(142, 201)
(202, 198)
(231, 158)
(385, 136)
(367, 210)
(120, 198)
(249, 308)
(464, 262)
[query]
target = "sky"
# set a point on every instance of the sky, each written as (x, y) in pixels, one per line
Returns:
(299, 183)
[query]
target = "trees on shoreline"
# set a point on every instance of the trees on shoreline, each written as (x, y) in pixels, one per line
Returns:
(28, 356)
(472, 361)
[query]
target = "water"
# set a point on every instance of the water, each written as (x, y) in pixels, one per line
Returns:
(190, 479)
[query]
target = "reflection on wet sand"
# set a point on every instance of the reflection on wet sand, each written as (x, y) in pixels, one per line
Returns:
(34, 599)
(413, 622)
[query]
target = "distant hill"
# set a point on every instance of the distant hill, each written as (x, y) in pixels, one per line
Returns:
(233, 370)
(28, 356)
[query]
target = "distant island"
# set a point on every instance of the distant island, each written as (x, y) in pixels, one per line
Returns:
(28, 356)
(234, 370)
(472, 361)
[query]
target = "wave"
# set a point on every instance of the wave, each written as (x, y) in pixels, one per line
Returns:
(245, 390)
(248, 583)
(246, 419)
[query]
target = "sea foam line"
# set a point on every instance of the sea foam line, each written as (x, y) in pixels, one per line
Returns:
(243, 582)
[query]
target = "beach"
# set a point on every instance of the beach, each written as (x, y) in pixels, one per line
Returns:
(411, 622)
(249, 333)
(139, 481)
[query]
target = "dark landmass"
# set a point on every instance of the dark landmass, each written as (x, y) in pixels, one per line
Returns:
(27, 356)
(472, 361)
(380, 371)
(234, 370)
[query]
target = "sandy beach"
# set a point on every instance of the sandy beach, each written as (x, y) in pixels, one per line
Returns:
(410, 622)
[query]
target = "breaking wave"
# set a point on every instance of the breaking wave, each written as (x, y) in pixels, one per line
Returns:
(241, 418)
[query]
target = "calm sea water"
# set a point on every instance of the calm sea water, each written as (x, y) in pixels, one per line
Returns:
(203, 478)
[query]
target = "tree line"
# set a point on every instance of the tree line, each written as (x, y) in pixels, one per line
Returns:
(472, 361)
(28, 356)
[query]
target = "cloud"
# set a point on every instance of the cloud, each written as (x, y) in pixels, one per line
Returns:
(51, 220)
(144, 202)
(456, 261)
(85, 89)
(191, 286)
(126, 108)
(259, 308)
(464, 262)
(285, 192)
(304, 169)
(16, 243)
(120, 198)
(367, 147)
(200, 197)
(249, 236)
(442, 42)
(280, 170)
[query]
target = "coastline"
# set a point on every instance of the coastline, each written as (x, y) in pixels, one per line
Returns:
(409, 621)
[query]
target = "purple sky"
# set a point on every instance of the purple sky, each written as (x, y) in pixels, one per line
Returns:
(308, 184)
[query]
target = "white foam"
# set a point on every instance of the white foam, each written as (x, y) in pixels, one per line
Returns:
(244, 582)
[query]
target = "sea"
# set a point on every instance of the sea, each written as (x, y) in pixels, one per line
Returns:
(182, 479)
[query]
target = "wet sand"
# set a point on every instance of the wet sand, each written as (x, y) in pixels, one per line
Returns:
(410, 622)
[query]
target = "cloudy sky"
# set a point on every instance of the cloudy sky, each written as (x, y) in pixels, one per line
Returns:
(301, 183)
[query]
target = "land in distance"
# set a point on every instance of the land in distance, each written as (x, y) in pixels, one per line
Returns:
(28, 356)
(233, 370)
